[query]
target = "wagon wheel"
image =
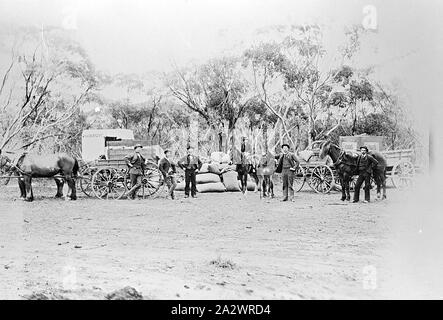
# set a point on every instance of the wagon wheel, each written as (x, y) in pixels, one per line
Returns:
(321, 179)
(86, 181)
(299, 178)
(108, 183)
(152, 183)
(402, 174)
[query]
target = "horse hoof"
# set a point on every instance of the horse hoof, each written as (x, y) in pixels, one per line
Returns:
(28, 199)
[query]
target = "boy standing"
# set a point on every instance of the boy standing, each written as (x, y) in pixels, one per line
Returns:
(167, 168)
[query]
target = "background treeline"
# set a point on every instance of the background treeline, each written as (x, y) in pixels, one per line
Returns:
(286, 88)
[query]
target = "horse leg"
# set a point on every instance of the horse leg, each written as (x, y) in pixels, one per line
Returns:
(28, 189)
(71, 183)
(347, 180)
(271, 187)
(265, 187)
(383, 183)
(59, 183)
(376, 175)
(260, 183)
(343, 188)
(21, 185)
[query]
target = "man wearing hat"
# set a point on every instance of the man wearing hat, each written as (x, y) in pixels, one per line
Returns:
(365, 164)
(136, 164)
(191, 164)
(287, 164)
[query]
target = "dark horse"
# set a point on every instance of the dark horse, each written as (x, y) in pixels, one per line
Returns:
(29, 166)
(346, 165)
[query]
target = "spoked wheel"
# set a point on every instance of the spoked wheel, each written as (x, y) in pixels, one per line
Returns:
(299, 178)
(322, 179)
(86, 182)
(108, 183)
(151, 185)
(402, 174)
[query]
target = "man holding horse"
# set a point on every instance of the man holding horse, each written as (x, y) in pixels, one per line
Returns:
(365, 165)
(136, 163)
(287, 164)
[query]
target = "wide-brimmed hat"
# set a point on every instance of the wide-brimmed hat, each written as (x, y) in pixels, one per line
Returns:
(285, 144)
(138, 145)
(364, 147)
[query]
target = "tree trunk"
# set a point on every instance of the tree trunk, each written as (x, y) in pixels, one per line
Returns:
(265, 138)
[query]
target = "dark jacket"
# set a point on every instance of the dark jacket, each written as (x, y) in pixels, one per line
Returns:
(194, 163)
(135, 163)
(165, 166)
(292, 159)
(370, 164)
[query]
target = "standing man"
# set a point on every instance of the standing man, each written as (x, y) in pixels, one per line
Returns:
(365, 163)
(287, 164)
(191, 164)
(167, 167)
(136, 163)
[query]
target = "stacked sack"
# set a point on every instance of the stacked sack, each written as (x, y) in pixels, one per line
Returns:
(208, 180)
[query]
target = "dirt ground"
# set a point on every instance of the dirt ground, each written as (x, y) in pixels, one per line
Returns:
(221, 246)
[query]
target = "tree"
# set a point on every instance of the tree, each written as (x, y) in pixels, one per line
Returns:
(42, 89)
(215, 91)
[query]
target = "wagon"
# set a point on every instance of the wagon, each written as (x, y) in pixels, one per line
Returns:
(399, 167)
(107, 177)
(318, 173)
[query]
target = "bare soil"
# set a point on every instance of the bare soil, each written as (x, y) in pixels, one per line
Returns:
(219, 246)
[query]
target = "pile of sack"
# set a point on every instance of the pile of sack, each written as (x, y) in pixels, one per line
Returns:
(209, 177)
(217, 176)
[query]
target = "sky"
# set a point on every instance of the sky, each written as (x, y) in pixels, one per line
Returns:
(135, 36)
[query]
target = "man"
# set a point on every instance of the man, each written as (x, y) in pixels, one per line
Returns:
(365, 164)
(287, 164)
(167, 168)
(136, 164)
(191, 164)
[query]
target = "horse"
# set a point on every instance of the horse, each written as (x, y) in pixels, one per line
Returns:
(265, 168)
(346, 165)
(28, 166)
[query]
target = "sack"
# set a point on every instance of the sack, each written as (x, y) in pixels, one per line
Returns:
(204, 168)
(211, 187)
(180, 186)
(230, 181)
(217, 157)
(207, 178)
(214, 168)
(226, 158)
(250, 185)
(227, 168)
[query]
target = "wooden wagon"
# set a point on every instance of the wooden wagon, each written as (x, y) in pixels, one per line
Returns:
(318, 173)
(108, 177)
(400, 169)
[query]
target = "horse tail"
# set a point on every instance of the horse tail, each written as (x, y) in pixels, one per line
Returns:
(75, 168)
